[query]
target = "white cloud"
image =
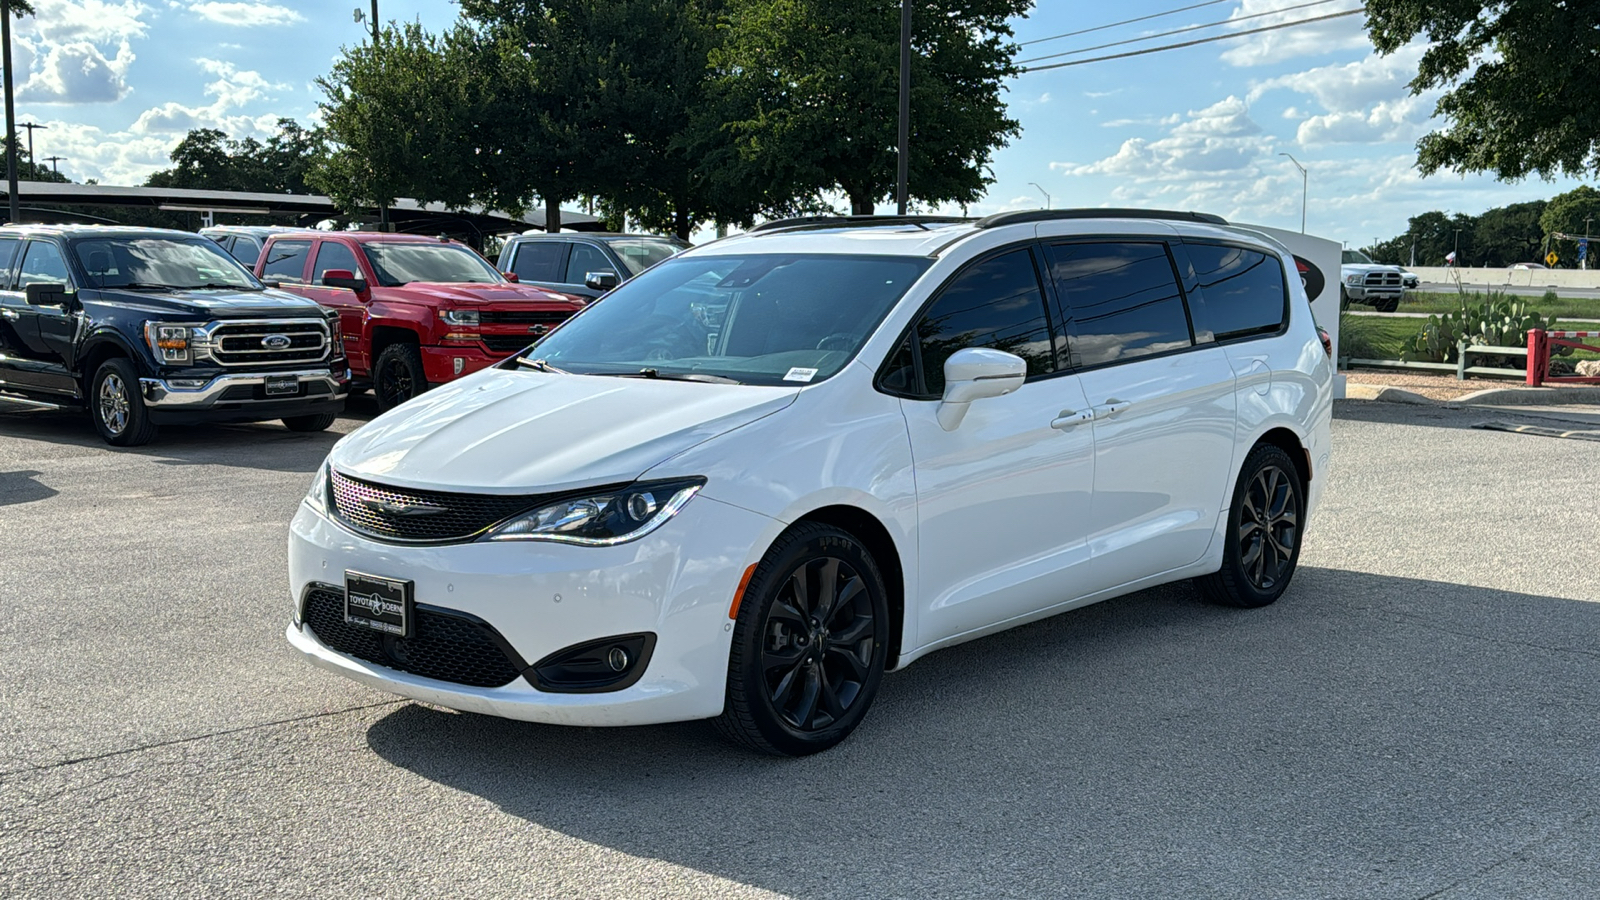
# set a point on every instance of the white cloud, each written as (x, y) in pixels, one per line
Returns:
(1288, 43)
(233, 88)
(1221, 138)
(77, 51)
(1366, 102)
(246, 14)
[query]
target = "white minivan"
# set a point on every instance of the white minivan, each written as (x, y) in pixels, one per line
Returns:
(764, 472)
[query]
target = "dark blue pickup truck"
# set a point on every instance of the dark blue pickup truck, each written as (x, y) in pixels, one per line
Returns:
(144, 327)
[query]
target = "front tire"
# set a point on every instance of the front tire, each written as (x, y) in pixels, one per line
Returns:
(117, 406)
(809, 644)
(1386, 305)
(1264, 527)
(307, 424)
(397, 376)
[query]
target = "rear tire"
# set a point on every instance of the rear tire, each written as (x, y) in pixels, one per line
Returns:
(1263, 534)
(397, 376)
(117, 407)
(809, 644)
(318, 422)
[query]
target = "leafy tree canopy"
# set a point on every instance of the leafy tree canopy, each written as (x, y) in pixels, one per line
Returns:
(1520, 78)
(207, 159)
(817, 83)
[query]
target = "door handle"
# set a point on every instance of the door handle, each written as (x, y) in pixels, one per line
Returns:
(1110, 408)
(9, 314)
(1069, 418)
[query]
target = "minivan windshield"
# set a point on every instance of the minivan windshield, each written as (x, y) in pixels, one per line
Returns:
(400, 263)
(160, 262)
(752, 318)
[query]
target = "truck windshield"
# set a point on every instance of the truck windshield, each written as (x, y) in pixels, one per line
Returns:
(161, 262)
(1357, 257)
(396, 264)
(639, 255)
(768, 319)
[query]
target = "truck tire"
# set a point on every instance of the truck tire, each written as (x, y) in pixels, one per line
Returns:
(311, 423)
(1344, 299)
(117, 407)
(397, 376)
(1389, 305)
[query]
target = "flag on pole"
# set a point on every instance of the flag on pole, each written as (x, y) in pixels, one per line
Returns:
(1450, 258)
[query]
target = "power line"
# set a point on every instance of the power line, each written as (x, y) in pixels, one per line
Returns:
(1162, 34)
(1220, 37)
(1158, 15)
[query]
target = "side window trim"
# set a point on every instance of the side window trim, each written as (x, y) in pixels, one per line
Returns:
(1288, 295)
(1177, 276)
(908, 333)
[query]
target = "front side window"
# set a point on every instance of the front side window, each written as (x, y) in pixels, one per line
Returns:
(334, 255)
(286, 260)
(399, 263)
(8, 255)
(160, 263)
(43, 263)
(586, 259)
(1120, 301)
(996, 303)
(641, 254)
(539, 261)
(1244, 290)
(769, 319)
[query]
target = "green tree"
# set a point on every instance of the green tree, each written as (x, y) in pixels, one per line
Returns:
(1570, 213)
(817, 83)
(1520, 81)
(207, 159)
(400, 120)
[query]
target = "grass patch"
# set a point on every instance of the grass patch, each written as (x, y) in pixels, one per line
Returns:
(1547, 304)
(1382, 337)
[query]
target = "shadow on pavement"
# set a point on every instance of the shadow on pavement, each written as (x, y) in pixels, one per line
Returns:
(1366, 736)
(20, 487)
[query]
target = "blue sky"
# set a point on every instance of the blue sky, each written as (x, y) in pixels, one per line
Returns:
(119, 82)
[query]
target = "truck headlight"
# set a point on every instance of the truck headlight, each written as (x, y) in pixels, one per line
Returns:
(170, 343)
(1352, 279)
(604, 517)
(463, 324)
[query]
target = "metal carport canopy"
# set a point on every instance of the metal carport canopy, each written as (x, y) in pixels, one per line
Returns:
(405, 214)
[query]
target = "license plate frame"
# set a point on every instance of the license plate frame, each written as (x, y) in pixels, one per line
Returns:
(380, 603)
(281, 385)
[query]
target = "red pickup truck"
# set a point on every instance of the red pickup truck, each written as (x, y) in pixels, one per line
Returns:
(415, 311)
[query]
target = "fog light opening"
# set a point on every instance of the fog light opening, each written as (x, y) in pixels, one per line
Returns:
(618, 659)
(607, 664)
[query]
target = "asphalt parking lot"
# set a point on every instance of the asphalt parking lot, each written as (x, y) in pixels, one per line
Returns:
(1416, 718)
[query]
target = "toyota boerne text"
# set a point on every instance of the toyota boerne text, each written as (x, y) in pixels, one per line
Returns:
(764, 472)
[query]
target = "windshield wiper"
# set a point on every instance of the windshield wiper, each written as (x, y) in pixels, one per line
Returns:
(540, 365)
(681, 376)
(218, 286)
(137, 286)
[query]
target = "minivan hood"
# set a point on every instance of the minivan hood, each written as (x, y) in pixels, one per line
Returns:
(514, 432)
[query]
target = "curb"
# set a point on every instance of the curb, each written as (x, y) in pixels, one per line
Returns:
(1539, 396)
(1385, 394)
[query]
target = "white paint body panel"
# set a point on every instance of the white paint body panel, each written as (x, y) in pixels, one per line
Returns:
(1001, 521)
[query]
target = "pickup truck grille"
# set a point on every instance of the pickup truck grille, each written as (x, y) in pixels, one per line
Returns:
(523, 317)
(260, 343)
(1382, 280)
(502, 343)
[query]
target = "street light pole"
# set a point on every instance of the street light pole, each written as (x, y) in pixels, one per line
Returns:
(11, 112)
(1044, 192)
(1305, 190)
(902, 188)
(32, 127)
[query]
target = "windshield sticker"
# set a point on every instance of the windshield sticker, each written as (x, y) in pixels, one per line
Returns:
(798, 374)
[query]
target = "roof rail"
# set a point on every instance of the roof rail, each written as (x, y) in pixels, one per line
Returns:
(798, 222)
(1052, 215)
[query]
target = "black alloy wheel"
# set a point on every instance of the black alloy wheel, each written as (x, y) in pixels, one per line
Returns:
(1263, 534)
(397, 376)
(809, 644)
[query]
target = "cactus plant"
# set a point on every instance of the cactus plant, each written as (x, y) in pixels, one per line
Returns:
(1498, 321)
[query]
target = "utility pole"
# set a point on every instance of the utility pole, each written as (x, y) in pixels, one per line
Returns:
(383, 210)
(11, 113)
(1044, 192)
(902, 189)
(1457, 250)
(1305, 190)
(52, 160)
(32, 127)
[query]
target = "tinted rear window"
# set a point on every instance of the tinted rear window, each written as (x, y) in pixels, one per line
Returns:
(1244, 290)
(1121, 301)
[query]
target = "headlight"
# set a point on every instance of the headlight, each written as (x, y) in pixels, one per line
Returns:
(317, 496)
(335, 335)
(603, 518)
(462, 317)
(170, 343)
(1352, 279)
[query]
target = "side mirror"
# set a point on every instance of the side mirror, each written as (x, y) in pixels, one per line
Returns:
(601, 281)
(344, 278)
(976, 373)
(512, 277)
(271, 284)
(47, 293)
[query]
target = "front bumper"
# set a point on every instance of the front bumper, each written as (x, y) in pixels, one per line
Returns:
(676, 583)
(448, 362)
(242, 396)
(1367, 292)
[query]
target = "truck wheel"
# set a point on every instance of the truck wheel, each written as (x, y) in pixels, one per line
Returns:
(1389, 305)
(117, 407)
(398, 376)
(1344, 299)
(318, 422)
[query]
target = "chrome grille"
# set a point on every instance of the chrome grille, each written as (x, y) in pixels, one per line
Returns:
(1382, 279)
(246, 343)
(401, 514)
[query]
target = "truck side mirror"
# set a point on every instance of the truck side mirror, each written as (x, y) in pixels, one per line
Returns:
(48, 293)
(344, 278)
(601, 281)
